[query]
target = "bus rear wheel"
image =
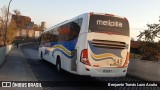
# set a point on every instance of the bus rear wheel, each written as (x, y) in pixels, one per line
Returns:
(58, 65)
(41, 56)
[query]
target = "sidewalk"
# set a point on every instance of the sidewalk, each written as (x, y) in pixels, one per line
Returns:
(16, 68)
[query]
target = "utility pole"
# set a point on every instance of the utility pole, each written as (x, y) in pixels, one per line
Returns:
(6, 24)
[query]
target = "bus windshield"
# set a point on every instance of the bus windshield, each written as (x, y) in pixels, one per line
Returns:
(109, 24)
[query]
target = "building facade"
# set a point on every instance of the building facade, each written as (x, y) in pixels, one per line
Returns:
(26, 27)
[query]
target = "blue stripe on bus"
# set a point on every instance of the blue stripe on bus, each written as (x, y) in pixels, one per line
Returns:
(62, 53)
(69, 45)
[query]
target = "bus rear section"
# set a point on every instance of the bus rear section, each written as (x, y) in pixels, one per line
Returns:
(108, 46)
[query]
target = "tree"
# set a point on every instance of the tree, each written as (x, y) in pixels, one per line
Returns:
(149, 49)
(21, 21)
(17, 12)
(11, 27)
(151, 33)
(1, 33)
(3, 22)
(3, 16)
(6, 23)
(11, 32)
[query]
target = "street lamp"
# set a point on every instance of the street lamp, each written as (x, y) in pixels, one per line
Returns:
(6, 23)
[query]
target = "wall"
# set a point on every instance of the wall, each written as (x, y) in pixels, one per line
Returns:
(146, 70)
(3, 52)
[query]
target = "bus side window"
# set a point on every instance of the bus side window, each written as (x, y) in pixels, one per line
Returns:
(74, 30)
(64, 32)
(54, 37)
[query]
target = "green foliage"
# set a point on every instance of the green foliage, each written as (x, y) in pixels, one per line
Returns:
(150, 34)
(150, 51)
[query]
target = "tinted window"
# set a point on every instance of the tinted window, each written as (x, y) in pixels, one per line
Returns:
(101, 23)
(66, 32)
(55, 34)
(75, 28)
(70, 31)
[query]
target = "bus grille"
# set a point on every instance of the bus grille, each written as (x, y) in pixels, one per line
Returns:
(108, 44)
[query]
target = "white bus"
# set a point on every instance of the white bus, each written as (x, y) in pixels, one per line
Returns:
(93, 44)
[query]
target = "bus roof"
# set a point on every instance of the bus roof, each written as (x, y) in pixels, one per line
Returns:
(91, 13)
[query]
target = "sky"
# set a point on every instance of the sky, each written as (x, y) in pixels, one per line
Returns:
(138, 12)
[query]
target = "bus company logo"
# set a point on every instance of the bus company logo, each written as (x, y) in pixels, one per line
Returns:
(110, 23)
(6, 84)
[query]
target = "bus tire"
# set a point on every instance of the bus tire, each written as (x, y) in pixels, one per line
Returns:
(41, 55)
(58, 65)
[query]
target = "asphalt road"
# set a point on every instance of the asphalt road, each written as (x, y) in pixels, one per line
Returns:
(45, 71)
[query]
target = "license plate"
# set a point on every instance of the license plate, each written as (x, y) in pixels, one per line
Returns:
(107, 71)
